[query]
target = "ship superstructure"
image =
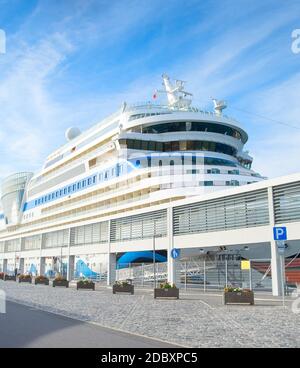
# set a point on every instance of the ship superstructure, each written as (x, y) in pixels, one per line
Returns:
(143, 152)
(142, 155)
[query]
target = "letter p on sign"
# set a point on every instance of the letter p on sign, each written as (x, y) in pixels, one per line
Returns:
(280, 233)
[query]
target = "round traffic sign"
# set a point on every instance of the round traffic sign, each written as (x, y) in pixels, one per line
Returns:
(175, 253)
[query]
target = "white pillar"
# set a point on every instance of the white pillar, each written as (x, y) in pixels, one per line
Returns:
(4, 265)
(42, 266)
(21, 265)
(111, 261)
(276, 270)
(71, 260)
(275, 258)
(70, 268)
(173, 264)
(111, 268)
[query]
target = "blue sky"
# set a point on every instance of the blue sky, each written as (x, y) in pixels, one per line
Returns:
(72, 62)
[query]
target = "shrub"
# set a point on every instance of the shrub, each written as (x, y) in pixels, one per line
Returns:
(24, 277)
(167, 285)
(85, 282)
(231, 289)
(60, 278)
(122, 283)
(41, 278)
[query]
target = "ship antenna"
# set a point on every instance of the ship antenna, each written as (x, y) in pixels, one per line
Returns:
(219, 105)
(177, 96)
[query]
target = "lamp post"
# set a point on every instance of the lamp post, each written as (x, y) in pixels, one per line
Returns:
(154, 263)
(61, 267)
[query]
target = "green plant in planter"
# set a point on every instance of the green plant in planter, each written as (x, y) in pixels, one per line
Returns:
(85, 282)
(60, 278)
(231, 289)
(24, 277)
(41, 278)
(167, 285)
(122, 283)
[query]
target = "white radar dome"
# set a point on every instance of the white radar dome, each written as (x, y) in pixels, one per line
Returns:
(72, 133)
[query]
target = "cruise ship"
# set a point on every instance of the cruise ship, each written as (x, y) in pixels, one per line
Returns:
(142, 155)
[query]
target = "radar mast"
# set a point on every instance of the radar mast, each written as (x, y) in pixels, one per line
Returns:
(177, 96)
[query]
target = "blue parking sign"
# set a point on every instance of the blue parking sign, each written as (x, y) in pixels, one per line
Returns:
(280, 233)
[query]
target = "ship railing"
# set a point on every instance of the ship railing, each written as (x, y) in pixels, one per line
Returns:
(81, 212)
(151, 105)
(164, 184)
(163, 174)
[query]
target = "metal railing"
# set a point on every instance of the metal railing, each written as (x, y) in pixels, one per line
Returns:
(204, 274)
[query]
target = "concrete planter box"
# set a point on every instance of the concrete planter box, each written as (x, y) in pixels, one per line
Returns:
(239, 297)
(166, 293)
(41, 282)
(89, 285)
(63, 283)
(123, 289)
(27, 279)
(10, 278)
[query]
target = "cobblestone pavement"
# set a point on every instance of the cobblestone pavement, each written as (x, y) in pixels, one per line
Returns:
(195, 320)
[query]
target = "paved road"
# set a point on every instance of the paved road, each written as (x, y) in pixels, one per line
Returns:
(23, 326)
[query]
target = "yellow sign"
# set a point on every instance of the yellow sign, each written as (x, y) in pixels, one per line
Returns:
(245, 265)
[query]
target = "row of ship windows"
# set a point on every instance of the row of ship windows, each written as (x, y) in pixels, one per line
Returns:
(80, 185)
(214, 171)
(210, 183)
(201, 183)
(89, 181)
(115, 171)
(67, 190)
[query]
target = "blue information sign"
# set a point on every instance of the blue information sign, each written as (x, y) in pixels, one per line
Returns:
(175, 253)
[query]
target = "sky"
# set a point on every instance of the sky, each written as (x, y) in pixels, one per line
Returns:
(73, 62)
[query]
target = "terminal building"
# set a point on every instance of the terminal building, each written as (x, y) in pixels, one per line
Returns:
(145, 180)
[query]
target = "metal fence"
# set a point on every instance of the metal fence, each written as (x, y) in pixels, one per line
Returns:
(209, 274)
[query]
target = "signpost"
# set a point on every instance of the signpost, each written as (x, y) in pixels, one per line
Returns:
(280, 236)
(246, 265)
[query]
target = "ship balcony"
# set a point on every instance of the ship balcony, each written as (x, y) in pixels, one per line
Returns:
(134, 193)
(134, 179)
(83, 158)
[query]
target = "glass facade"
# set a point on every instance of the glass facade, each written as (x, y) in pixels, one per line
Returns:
(185, 145)
(182, 126)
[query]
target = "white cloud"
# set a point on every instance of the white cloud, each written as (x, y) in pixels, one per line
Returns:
(28, 112)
